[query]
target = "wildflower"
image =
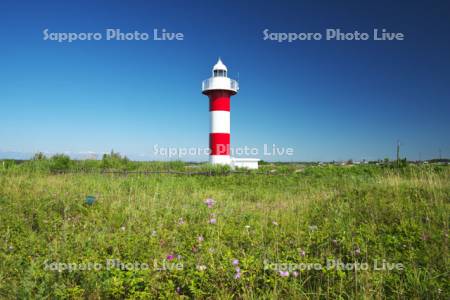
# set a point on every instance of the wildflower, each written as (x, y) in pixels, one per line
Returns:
(238, 270)
(313, 227)
(212, 221)
(178, 290)
(302, 253)
(210, 202)
(247, 226)
(170, 257)
(284, 273)
(235, 262)
(180, 221)
(179, 256)
(357, 251)
(201, 268)
(200, 238)
(122, 228)
(295, 274)
(274, 223)
(154, 233)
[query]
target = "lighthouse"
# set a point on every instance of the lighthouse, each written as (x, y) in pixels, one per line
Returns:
(219, 89)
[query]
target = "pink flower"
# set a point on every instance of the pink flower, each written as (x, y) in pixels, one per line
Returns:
(235, 262)
(284, 273)
(210, 202)
(170, 257)
(212, 221)
(237, 275)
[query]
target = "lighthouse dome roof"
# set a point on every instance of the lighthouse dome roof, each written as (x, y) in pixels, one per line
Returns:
(220, 66)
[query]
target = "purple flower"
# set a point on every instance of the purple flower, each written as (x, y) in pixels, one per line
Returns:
(170, 257)
(238, 270)
(210, 202)
(200, 238)
(235, 262)
(213, 221)
(284, 273)
(237, 275)
(178, 290)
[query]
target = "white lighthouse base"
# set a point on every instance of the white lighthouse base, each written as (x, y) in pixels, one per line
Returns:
(247, 163)
(220, 160)
(234, 162)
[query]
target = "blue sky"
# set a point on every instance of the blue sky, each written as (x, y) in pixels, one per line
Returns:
(328, 100)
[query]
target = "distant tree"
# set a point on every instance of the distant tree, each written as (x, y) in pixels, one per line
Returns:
(39, 156)
(60, 162)
(114, 161)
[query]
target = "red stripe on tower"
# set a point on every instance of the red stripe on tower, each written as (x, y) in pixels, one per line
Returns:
(219, 143)
(219, 100)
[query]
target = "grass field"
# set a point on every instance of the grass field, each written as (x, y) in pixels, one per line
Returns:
(263, 236)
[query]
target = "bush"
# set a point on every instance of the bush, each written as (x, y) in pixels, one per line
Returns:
(60, 162)
(114, 161)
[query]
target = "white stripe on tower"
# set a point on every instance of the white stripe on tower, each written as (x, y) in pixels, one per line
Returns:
(220, 121)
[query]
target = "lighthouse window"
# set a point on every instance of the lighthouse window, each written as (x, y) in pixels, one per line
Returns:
(220, 73)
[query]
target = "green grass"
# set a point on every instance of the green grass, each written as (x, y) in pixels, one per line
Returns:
(354, 214)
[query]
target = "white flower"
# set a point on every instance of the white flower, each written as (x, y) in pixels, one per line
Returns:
(201, 268)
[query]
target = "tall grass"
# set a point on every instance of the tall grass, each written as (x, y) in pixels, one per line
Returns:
(353, 214)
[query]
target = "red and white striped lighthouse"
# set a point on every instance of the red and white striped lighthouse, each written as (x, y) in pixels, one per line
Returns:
(219, 88)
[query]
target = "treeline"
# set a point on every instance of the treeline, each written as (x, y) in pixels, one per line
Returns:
(115, 162)
(112, 161)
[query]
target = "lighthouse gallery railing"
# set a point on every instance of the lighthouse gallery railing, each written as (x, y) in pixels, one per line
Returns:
(212, 83)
